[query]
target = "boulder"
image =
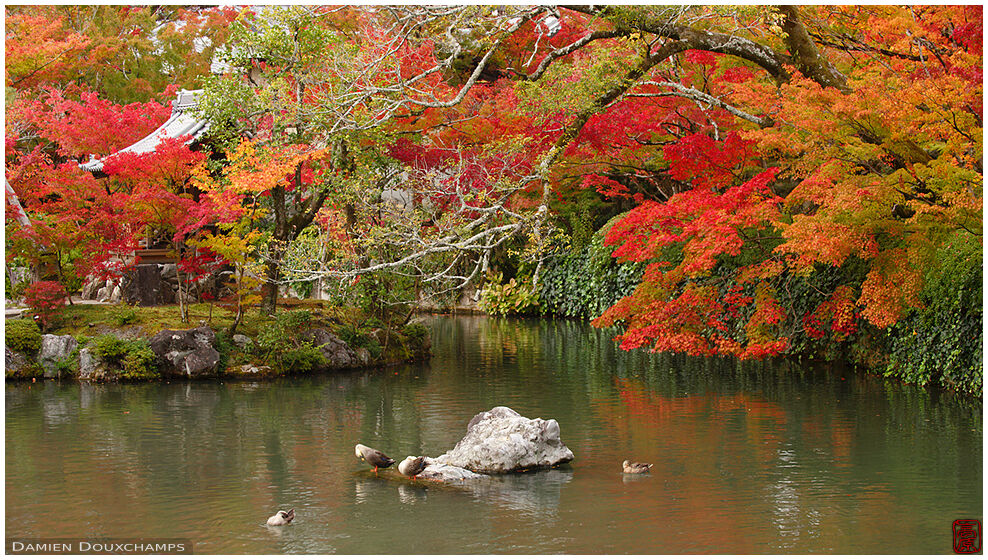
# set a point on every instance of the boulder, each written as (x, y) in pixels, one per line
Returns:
(90, 287)
(501, 440)
(91, 369)
(337, 353)
(188, 353)
(436, 470)
(241, 341)
(55, 350)
(145, 286)
(15, 364)
(169, 271)
(87, 363)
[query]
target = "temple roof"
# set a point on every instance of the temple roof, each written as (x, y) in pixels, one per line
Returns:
(182, 122)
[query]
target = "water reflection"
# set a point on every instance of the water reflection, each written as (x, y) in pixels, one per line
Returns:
(778, 457)
(412, 493)
(536, 493)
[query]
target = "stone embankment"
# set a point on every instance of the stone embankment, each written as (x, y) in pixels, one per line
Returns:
(188, 354)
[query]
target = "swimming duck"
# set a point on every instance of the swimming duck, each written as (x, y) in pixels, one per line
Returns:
(636, 468)
(412, 466)
(282, 517)
(373, 457)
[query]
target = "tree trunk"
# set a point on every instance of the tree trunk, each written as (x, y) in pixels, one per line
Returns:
(805, 54)
(269, 292)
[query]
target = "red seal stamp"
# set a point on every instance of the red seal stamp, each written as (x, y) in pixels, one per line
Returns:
(967, 536)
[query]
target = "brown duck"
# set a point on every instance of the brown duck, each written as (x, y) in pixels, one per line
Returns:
(636, 468)
(412, 466)
(373, 457)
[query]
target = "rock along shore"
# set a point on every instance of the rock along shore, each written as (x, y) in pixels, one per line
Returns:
(187, 354)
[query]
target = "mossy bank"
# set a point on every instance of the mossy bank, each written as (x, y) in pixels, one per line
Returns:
(123, 343)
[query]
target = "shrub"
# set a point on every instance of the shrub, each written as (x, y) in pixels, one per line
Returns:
(45, 298)
(282, 345)
(510, 298)
(22, 335)
(133, 358)
(357, 338)
(416, 332)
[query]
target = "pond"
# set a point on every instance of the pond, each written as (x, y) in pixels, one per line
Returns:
(762, 457)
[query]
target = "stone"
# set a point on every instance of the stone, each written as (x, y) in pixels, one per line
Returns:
(337, 353)
(116, 295)
(89, 288)
(251, 370)
(15, 364)
(87, 363)
(167, 291)
(102, 294)
(501, 441)
(242, 341)
(55, 350)
(145, 289)
(442, 472)
(91, 369)
(169, 271)
(363, 356)
(189, 353)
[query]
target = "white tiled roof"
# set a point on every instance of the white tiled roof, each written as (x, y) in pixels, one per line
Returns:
(181, 123)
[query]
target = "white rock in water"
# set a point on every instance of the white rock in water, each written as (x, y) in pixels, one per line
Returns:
(501, 440)
(447, 473)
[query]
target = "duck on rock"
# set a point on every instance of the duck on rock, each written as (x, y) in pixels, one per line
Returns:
(373, 457)
(412, 466)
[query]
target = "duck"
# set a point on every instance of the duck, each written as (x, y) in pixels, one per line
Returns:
(282, 517)
(635, 468)
(412, 466)
(373, 457)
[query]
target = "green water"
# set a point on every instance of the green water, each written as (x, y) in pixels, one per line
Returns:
(752, 458)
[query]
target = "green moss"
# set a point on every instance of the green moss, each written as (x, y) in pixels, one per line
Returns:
(133, 358)
(22, 335)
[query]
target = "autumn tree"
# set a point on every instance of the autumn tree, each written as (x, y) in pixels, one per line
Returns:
(871, 118)
(321, 84)
(91, 80)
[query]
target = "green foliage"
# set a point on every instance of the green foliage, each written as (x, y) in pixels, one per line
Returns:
(510, 298)
(943, 341)
(224, 345)
(585, 283)
(283, 345)
(124, 316)
(134, 358)
(416, 332)
(355, 337)
(386, 296)
(22, 335)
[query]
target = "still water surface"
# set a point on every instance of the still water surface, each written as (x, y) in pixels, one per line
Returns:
(750, 458)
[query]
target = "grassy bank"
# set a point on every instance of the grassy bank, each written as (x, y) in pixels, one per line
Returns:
(263, 346)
